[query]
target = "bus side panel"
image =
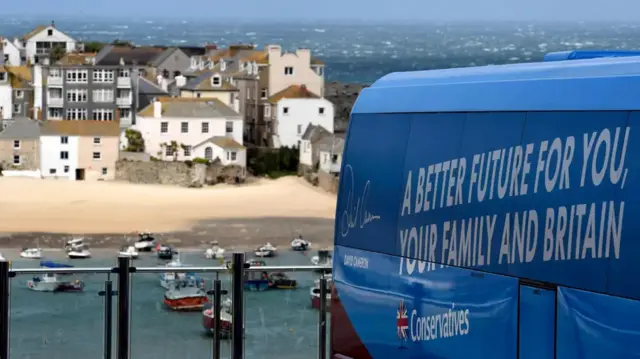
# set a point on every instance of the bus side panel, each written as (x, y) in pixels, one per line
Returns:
(596, 326)
(446, 313)
(370, 190)
(537, 323)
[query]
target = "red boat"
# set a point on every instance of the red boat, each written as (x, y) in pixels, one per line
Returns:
(185, 295)
(225, 322)
(315, 293)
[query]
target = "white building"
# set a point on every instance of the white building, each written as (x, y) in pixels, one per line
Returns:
(311, 135)
(41, 40)
(184, 129)
(330, 150)
(59, 155)
(290, 112)
(6, 98)
(10, 53)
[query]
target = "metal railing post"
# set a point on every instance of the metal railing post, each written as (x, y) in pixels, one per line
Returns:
(217, 306)
(238, 306)
(108, 317)
(124, 283)
(4, 309)
(322, 319)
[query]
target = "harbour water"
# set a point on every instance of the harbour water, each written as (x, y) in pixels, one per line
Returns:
(278, 324)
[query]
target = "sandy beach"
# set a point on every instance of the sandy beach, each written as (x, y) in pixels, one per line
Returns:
(109, 213)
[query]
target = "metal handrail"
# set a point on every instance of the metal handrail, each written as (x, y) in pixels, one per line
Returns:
(197, 269)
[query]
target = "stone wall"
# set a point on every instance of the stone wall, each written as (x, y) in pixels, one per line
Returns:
(177, 173)
(328, 182)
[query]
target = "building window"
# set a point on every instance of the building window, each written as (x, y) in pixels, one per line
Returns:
(2, 75)
(66, 169)
(77, 76)
(96, 140)
(55, 113)
(16, 159)
(164, 127)
(184, 127)
(76, 114)
(249, 93)
(64, 140)
(52, 171)
(205, 127)
(198, 94)
(19, 94)
(321, 110)
(267, 111)
(231, 156)
(263, 94)
(288, 70)
(64, 155)
(96, 155)
(50, 32)
(103, 95)
(187, 151)
(168, 151)
(16, 144)
(55, 73)
(104, 171)
(103, 76)
(229, 127)
(124, 73)
(77, 95)
(216, 81)
(125, 112)
(285, 110)
(103, 115)
(208, 154)
(17, 108)
(299, 129)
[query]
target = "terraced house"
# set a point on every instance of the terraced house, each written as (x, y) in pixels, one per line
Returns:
(20, 147)
(16, 92)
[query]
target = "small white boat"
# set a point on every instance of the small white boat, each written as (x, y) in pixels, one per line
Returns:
(146, 242)
(31, 253)
(268, 250)
(128, 251)
(215, 252)
(74, 244)
(323, 258)
(299, 244)
(79, 253)
(49, 283)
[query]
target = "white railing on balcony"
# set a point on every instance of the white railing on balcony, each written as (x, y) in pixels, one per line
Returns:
(124, 82)
(126, 121)
(124, 101)
(55, 101)
(54, 81)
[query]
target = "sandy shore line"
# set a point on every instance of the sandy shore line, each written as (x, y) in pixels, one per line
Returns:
(108, 214)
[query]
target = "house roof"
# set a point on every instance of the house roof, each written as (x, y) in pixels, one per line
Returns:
(293, 91)
(193, 50)
(146, 86)
(158, 60)
(227, 143)
(20, 76)
(81, 128)
(315, 132)
(77, 58)
(142, 55)
(38, 29)
(203, 83)
(21, 128)
(190, 108)
(330, 143)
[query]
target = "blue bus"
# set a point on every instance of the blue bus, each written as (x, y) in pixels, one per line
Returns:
(490, 212)
(588, 54)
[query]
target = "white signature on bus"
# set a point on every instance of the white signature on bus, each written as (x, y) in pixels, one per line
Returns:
(356, 215)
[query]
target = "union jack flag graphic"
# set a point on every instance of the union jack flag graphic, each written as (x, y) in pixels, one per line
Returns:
(402, 321)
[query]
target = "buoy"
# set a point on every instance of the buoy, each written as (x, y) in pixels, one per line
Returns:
(291, 329)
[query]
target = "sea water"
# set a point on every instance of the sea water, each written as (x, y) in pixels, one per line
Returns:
(278, 324)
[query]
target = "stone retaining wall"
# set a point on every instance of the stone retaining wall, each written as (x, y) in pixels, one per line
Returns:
(177, 173)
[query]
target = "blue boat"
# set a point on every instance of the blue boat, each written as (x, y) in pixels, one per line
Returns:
(51, 264)
(256, 281)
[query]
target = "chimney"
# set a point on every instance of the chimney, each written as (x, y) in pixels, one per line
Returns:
(274, 50)
(157, 109)
(303, 89)
(209, 47)
(180, 81)
(53, 24)
(304, 55)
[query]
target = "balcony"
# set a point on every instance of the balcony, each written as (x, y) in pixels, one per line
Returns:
(55, 101)
(54, 81)
(123, 82)
(276, 323)
(124, 101)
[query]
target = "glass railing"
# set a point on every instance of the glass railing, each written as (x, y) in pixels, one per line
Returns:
(162, 312)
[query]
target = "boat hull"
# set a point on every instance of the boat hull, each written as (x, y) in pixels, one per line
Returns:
(226, 327)
(283, 284)
(78, 256)
(186, 304)
(265, 254)
(256, 285)
(42, 286)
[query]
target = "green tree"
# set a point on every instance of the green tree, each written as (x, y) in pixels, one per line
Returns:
(135, 141)
(93, 46)
(57, 52)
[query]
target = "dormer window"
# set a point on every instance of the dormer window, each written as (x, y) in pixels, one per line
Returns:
(216, 81)
(50, 32)
(249, 70)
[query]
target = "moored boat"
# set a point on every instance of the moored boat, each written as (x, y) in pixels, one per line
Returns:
(146, 242)
(300, 245)
(128, 251)
(256, 281)
(322, 259)
(226, 322)
(280, 280)
(49, 283)
(214, 252)
(315, 293)
(185, 295)
(31, 253)
(74, 244)
(79, 253)
(268, 250)
(165, 252)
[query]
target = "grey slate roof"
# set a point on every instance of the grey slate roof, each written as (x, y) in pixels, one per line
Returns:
(139, 55)
(21, 128)
(314, 133)
(149, 88)
(198, 109)
(330, 143)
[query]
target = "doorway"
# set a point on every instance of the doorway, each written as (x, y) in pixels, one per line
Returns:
(79, 174)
